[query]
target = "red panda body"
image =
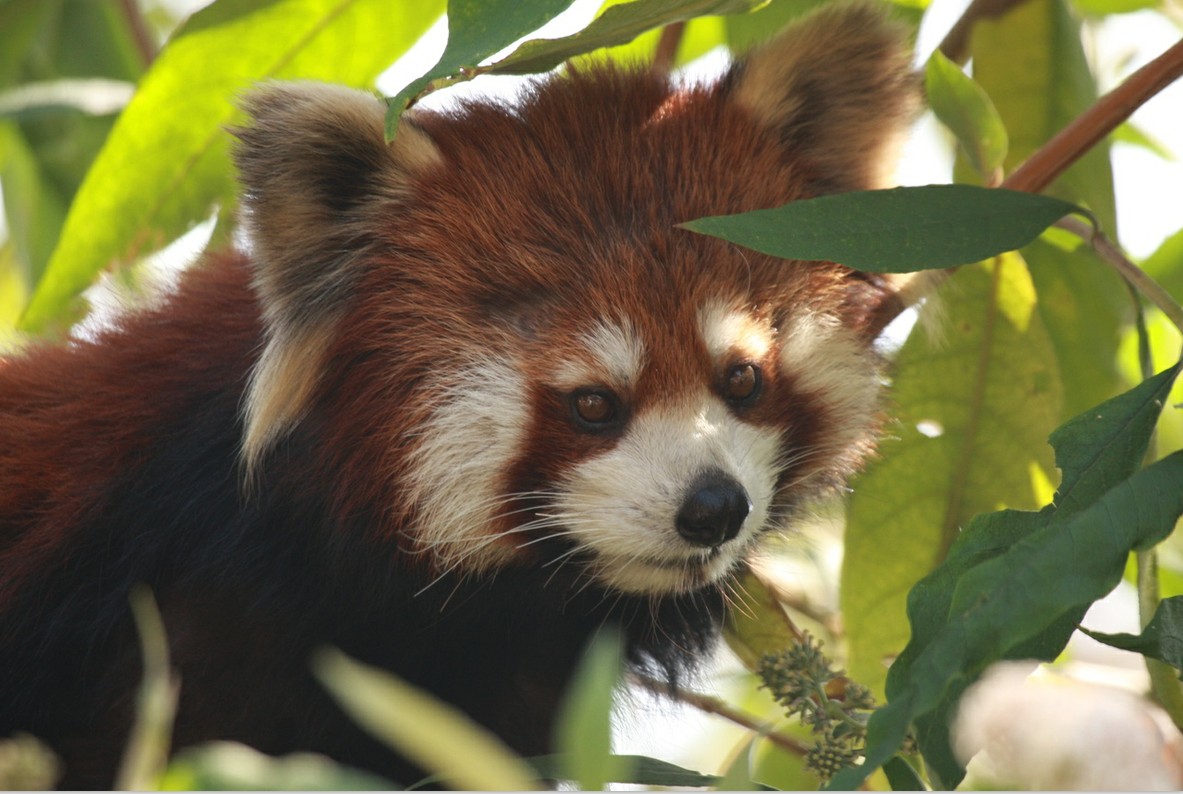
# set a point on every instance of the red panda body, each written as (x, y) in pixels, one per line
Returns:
(465, 399)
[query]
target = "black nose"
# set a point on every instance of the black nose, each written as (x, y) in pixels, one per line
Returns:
(713, 511)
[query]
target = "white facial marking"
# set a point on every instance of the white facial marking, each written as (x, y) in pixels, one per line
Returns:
(826, 359)
(622, 505)
(470, 440)
(614, 351)
(728, 331)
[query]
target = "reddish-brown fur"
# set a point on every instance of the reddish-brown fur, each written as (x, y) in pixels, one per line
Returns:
(506, 234)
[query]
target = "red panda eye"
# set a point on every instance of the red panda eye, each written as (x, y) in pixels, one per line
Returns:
(594, 407)
(743, 382)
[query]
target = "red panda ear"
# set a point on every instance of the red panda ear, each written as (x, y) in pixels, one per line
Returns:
(315, 169)
(839, 91)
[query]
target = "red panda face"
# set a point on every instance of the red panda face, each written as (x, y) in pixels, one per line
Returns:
(499, 315)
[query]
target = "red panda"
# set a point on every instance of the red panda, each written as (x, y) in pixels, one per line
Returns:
(460, 401)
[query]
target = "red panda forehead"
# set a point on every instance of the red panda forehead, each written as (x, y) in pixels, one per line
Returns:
(600, 154)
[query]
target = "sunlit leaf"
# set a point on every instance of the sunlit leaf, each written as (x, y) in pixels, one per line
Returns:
(617, 25)
(1162, 638)
(894, 231)
(476, 30)
(437, 736)
(1020, 580)
(962, 106)
(584, 730)
(971, 410)
(165, 164)
(226, 766)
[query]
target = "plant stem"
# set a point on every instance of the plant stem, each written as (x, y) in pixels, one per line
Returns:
(1133, 274)
(713, 705)
(667, 47)
(140, 33)
(1164, 681)
(1104, 116)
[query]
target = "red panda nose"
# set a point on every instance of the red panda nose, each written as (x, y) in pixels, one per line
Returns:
(713, 511)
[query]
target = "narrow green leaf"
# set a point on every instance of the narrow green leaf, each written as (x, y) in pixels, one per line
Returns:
(1134, 135)
(1032, 64)
(165, 164)
(617, 25)
(758, 625)
(1165, 265)
(641, 770)
(227, 766)
(894, 231)
(972, 409)
(1014, 584)
(902, 776)
(96, 96)
(962, 106)
(1010, 598)
(434, 734)
(476, 30)
(1101, 447)
(584, 731)
(1162, 638)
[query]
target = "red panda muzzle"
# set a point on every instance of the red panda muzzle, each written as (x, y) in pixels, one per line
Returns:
(467, 398)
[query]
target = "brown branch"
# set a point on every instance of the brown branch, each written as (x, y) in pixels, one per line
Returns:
(1105, 115)
(141, 35)
(667, 47)
(713, 705)
(955, 45)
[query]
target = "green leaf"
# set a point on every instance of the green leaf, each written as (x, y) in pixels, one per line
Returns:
(165, 164)
(584, 730)
(640, 770)
(758, 625)
(1162, 638)
(617, 25)
(1015, 583)
(962, 106)
(972, 409)
(894, 231)
(744, 31)
(1136, 136)
(1165, 265)
(1031, 63)
(432, 733)
(1084, 305)
(1104, 7)
(902, 776)
(227, 766)
(476, 30)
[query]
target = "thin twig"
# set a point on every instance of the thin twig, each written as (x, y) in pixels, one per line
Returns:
(1108, 251)
(713, 705)
(955, 45)
(140, 33)
(1102, 118)
(667, 47)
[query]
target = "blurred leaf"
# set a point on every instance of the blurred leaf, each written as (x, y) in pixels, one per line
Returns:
(13, 293)
(617, 25)
(165, 164)
(776, 766)
(640, 770)
(961, 105)
(894, 231)
(1021, 580)
(435, 735)
(96, 96)
(1084, 306)
(1165, 265)
(584, 730)
(227, 766)
(146, 755)
(745, 31)
(699, 36)
(902, 776)
(972, 410)
(33, 206)
(21, 22)
(1162, 638)
(1031, 63)
(1105, 7)
(758, 625)
(1136, 136)
(476, 30)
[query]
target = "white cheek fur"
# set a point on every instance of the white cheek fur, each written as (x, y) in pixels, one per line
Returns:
(460, 459)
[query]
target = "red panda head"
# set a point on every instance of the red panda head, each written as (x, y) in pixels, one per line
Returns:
(495, 334)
